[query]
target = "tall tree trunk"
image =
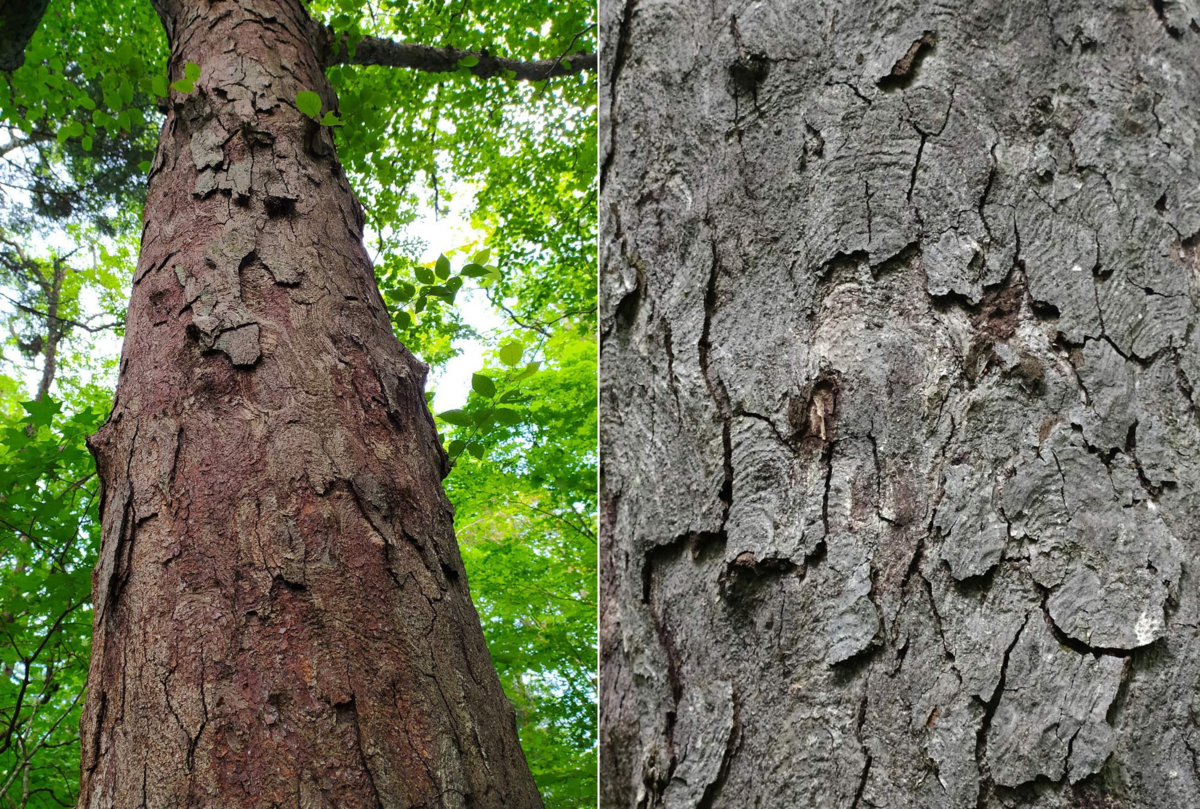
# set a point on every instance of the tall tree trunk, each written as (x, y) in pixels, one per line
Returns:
(281, 613)
(54, 329)
(901, 447)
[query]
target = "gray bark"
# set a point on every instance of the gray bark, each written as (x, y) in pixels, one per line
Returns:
(901, 448)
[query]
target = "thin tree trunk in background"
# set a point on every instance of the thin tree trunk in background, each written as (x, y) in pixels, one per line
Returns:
(54, 330)
(900, 436)
(281, 613)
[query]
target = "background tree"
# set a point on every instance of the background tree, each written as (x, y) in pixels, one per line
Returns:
(899, 420)
(538, 670)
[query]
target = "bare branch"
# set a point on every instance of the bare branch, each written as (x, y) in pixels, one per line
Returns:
(56, 319)
(385, 52)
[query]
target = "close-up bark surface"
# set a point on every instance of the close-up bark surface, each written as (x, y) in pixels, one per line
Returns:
(281, 617)
(901, 453)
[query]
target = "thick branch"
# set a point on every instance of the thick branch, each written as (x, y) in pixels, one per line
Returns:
(377, 51)
(18, 20)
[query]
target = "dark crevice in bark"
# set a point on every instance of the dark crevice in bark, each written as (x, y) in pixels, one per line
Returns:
(827, 461)
(852, 88)
(989, 711)
(716, 388)
(1154, 492)
(767, 420)
(912, 177)
(630, 304)
(624, 51)
(859, 724)
(713, 790)
(347, 713)
(671, 379)
(1160, 11)
(905, 70)
(1074, 644)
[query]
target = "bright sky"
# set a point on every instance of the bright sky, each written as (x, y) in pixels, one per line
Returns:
(452, 384)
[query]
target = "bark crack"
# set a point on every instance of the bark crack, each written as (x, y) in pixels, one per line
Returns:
(985, 725)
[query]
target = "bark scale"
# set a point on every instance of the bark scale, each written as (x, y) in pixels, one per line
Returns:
(901, 456)
(281, 613)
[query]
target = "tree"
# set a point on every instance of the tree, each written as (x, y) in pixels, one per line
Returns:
(281, 612)
(899, 414)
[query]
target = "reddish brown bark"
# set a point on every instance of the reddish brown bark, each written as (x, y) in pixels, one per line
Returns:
(281, 614)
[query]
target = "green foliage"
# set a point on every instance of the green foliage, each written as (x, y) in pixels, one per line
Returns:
(191, 74)
(308, 103)
(49, 535)
(526, 521)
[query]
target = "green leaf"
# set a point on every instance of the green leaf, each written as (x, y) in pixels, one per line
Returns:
(482, 257)
(424, 275)
(530, 370)
(331, 120)
(511, 396)
(86, 143)
(442, 268)
(42, 412)
(459, 418)
(511, 353)
(456, 447)
(476, 451)
(191, 71)
(71, 130)
(184, 86)
(473, 271)
(308, 103)
(483, 385)
(506, 415)
(158, 86)
(468, 61)
(403, 319)
(144, 166)
(492, 275)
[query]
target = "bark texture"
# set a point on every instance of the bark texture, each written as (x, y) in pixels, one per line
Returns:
(901, 449)
(281, 614)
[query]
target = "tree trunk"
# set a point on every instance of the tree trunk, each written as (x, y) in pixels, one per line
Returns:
(281, 614)
(900, 435)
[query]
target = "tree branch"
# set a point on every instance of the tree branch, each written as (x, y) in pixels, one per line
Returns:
(18, 21)
(385, 52)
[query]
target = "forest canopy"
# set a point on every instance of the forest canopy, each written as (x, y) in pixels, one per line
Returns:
(509, 162)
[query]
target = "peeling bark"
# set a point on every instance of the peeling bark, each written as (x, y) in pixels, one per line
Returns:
(281, 614)
(900, 438)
